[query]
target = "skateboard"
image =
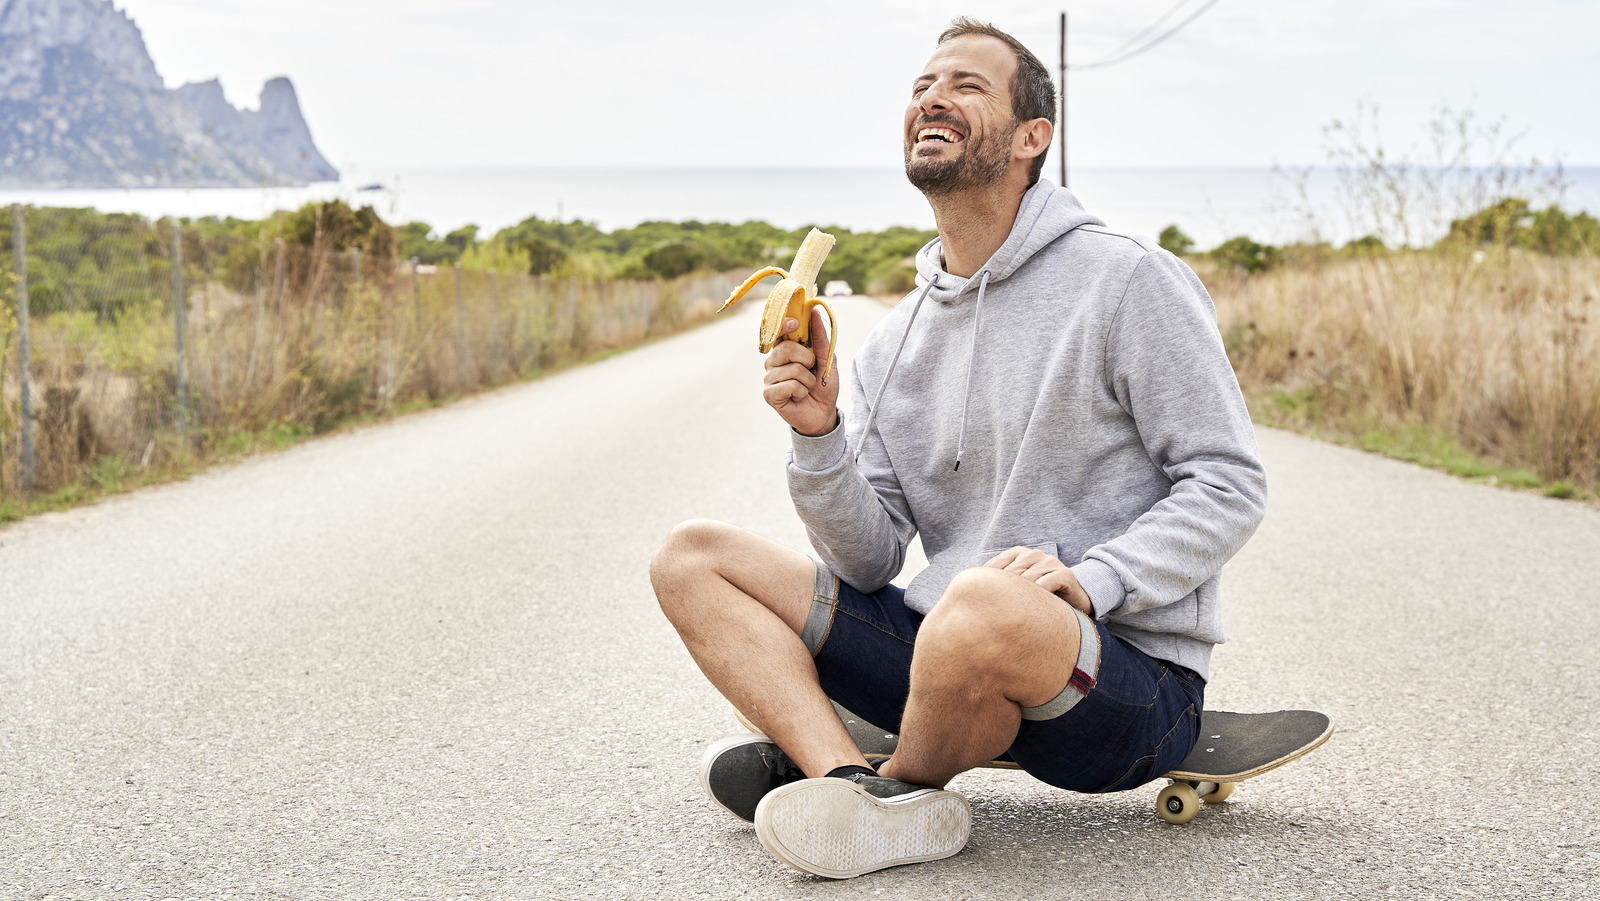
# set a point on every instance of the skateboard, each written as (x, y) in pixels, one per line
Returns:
(1233, 747)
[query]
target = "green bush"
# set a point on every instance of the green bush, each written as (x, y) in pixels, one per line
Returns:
(1241, 253)
(898, 277)
(672, 258)
(1512, 222)
(543, 254)
(1365, 246)
(1174, 241)
(419, 242)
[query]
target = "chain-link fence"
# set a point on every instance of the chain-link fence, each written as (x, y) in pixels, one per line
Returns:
(107, 373)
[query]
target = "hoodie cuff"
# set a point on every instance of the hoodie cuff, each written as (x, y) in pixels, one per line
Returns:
(821, 453)
(1102, 585)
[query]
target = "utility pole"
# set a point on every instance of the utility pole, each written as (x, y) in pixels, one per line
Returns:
(1062, 118)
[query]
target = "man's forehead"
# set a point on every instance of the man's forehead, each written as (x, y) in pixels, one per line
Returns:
(970, 55)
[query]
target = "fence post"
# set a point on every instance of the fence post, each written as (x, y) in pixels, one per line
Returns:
(19, 247)
(281, 329)
(179, 323)
(277, 278)
(529, 324)
(572, 316)
(387, 330)
(461, 332)
(355, 264)
(416, 297)
(494, 314)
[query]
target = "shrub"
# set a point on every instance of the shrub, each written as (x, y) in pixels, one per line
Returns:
(1174, 241)
(543, 254)
(1241, 253)
(899, 277)
(1511, 222)
(1366, 246)
(419, 242)
(670, 259)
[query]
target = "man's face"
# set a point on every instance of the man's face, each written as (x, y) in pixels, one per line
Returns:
(959, 125)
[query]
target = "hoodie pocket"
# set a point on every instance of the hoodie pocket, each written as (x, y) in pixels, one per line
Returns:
(929, 585)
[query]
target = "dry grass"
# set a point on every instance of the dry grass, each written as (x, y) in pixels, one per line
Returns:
(1486, 364)
(307, 348)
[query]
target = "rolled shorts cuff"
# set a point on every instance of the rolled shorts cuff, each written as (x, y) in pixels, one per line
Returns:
(824, 606)
(1084, 673)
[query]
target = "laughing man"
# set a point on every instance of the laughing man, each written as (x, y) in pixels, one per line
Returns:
(1053, 390)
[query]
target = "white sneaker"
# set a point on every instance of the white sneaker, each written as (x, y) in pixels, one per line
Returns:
(841, 828)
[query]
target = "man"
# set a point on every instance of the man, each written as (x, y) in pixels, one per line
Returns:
(1052, 391)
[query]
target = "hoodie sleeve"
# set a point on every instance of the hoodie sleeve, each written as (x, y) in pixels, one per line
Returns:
(1167, 367)
(856, 515)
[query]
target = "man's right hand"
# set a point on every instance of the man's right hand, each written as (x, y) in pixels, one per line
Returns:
(792, 386)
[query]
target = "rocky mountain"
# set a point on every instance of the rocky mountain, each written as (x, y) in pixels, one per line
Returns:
(81, 105)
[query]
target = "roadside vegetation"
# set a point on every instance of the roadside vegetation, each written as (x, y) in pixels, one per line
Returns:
(1461, 332)
(875, 262)
(1480, 360)
(317, 318)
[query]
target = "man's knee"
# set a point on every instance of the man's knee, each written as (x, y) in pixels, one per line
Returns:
(690, 552)
(983, 612)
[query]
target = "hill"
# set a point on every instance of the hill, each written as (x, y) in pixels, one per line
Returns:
(81, 105)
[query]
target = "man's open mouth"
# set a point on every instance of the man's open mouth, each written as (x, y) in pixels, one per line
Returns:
(946, 135)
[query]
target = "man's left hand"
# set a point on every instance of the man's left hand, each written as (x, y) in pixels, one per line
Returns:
(1047, 572)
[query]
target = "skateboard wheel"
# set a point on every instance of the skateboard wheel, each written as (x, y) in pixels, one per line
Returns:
(1177, 803)
(1223, 792)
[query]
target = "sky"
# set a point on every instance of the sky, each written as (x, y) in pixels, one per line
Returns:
(640, 83)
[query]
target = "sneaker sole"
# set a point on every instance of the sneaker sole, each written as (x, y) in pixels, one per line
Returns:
(714, 753)
(835, 828)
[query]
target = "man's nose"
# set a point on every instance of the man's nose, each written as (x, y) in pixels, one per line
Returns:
(934, 98)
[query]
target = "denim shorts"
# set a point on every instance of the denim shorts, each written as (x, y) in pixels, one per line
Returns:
(1123, 719)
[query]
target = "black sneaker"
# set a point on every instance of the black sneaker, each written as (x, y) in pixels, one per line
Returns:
(739, 770)
(840, 828)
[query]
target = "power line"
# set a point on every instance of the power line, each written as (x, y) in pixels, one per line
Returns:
(1148, 29)
(1117, 56)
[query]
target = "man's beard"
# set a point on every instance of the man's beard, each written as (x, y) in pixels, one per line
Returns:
(980, 164)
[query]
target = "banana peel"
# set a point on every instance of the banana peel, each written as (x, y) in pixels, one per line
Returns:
(793, 297)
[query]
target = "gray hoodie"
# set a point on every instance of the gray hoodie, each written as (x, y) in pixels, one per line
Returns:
(1074, 397)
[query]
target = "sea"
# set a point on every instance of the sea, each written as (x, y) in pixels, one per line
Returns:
(1210, 205)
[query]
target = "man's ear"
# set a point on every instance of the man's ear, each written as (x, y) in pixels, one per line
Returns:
(1032, 138)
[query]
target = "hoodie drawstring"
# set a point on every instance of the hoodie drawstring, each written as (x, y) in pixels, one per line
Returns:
(872, 414)
(972, 360)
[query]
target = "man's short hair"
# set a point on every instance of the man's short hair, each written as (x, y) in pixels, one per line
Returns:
(1033, 92)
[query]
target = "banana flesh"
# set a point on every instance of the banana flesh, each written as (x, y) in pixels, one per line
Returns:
(793, 297)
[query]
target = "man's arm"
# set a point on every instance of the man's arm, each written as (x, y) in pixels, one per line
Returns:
(1166, 364)
(856, 517)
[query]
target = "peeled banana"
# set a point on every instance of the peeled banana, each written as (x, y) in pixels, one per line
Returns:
(793, 297)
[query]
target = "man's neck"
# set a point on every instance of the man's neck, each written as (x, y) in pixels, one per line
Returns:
(973, 224)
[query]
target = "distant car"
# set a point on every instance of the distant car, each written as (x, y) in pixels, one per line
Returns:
(837, 288)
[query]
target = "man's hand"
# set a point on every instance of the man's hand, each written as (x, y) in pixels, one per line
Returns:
(1048, 573)
(792, 386)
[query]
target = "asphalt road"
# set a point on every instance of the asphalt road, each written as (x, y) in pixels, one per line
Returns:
(422, 660)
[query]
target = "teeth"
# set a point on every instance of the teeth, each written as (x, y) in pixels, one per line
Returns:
(937, 134)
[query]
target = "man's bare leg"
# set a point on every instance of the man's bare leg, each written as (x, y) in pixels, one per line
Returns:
(740, 602)
(994, 644)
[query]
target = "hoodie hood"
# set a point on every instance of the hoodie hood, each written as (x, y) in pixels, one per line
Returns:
(1047, 212)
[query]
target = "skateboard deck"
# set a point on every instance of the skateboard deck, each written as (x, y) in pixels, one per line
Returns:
(1232, 747)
